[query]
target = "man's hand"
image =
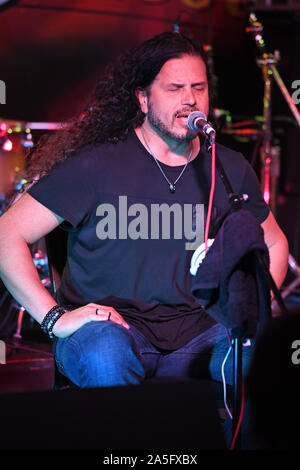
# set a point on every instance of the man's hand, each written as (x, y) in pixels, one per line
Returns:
(75, 319)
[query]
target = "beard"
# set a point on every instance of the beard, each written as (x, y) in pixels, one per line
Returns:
(163, 130)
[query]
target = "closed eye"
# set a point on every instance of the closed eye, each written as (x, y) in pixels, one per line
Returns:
(199, 88)
(175, 87)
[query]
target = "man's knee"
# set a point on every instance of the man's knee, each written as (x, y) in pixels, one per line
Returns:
(106, 337)
(106, 356)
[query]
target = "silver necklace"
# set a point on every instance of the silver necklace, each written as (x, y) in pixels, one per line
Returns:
(171, 185)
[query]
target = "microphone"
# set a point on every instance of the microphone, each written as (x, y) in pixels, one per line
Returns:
(197, 122)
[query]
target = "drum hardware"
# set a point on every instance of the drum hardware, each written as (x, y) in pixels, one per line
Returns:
(267, 62)
(17, 335)
(15, 138)
(270, 154)
(295, 268)
(243, 132)
(12, 164)
(40, 261)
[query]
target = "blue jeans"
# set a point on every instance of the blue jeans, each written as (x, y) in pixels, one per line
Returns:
(103, 354)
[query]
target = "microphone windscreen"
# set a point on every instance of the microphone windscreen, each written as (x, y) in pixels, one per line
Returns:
(193, 118)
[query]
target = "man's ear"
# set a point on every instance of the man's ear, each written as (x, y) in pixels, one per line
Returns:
(141, 95)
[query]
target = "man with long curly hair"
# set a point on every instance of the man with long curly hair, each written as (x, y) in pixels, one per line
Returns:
(124, 309)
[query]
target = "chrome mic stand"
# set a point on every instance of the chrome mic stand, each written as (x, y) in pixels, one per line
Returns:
(268, 63)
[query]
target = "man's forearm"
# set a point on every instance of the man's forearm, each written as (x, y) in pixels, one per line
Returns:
(279, 253)
(20, 277)
(278, 249)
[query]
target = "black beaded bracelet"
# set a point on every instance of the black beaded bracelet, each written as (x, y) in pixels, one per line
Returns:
(47, 317)
(51, 318)
(54, 320)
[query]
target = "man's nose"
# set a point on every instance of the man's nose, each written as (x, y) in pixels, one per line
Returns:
(189, 97)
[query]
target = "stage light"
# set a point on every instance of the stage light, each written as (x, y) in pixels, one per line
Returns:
(7, 145)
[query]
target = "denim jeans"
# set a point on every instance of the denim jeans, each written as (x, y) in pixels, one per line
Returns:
(102, 354)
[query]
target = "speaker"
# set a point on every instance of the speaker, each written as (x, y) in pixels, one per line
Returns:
(155, 415)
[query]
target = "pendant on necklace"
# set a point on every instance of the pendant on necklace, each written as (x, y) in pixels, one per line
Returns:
(172, 188)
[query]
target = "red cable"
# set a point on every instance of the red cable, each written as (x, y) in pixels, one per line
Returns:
(211, 194)
(240, 418)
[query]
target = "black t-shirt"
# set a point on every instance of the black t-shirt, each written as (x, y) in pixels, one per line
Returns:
(130, 239)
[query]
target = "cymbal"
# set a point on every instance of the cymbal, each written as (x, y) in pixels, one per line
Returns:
(22, 125)
(12, 124)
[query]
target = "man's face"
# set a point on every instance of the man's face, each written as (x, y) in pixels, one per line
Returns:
(180, 88)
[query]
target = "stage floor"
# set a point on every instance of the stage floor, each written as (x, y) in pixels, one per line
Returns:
(28, 367)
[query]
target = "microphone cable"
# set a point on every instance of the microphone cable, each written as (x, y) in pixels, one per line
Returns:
(211, 194)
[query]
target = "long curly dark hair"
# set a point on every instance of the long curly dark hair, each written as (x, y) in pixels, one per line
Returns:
(113, 109)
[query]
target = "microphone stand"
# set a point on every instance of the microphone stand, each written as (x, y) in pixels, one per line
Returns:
(235, 201)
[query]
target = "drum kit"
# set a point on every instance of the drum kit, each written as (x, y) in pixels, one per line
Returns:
(17, 137)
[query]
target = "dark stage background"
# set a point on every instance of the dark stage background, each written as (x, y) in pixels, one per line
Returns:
(53, 51)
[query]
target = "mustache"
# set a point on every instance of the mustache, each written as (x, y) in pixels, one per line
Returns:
(185, 111)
